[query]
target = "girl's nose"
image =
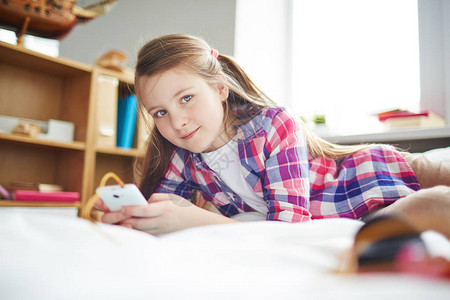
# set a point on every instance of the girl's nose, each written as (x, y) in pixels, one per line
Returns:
(179, 121)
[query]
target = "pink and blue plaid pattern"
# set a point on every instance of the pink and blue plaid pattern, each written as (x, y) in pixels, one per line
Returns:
(274, 160)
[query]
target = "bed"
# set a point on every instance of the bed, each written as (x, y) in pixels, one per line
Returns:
(49, 256)
(45, 255)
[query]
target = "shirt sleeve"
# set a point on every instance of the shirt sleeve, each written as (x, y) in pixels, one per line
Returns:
(286, 179)
(173, 181)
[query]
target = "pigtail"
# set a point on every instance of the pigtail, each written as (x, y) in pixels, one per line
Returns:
(318, 147)
(241, 83)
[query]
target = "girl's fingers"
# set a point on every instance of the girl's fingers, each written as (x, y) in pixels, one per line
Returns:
(114, 217)
(158, 216)
(151, 210)
(149, 225)
(98, 204)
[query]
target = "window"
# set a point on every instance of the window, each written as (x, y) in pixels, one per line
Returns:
(347, 59)
(42, 45)
(355, 58)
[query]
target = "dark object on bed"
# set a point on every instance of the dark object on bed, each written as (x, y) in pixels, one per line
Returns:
(390, 244)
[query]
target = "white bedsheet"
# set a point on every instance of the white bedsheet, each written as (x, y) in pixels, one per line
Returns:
(45, 256)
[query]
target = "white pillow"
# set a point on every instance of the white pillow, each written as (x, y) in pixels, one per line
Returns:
(438, 154)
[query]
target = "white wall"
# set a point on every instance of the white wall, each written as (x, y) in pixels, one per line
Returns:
(263, 45)
(434, 35)
(131, 23)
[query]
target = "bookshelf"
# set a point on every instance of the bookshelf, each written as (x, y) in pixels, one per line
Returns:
(39, 87)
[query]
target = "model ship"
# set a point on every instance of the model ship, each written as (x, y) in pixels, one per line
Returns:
(52, 19)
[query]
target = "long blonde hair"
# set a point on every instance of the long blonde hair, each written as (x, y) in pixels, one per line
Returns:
(169, 51)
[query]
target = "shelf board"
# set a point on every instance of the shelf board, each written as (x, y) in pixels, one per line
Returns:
(13, 203)
(23, 57)
(126, 76)
(133, 152)
(406, 134)
(42, 142)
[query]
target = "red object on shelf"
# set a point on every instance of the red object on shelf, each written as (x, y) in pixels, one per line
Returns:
(24, 195)
(383, 116)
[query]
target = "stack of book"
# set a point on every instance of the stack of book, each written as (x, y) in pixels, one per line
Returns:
(406, 119)
(30, 191)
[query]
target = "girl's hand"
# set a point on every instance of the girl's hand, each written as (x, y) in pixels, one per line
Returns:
(109, 217)
(166, 213)
(100, 205)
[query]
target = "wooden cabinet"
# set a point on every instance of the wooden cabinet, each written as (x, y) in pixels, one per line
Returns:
(39, 87)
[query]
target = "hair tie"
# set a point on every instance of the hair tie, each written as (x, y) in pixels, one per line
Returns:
(214, 53)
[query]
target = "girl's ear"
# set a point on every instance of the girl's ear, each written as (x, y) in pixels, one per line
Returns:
(223, 89)
(224, 92)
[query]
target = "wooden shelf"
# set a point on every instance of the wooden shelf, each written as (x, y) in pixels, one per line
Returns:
(40, 87)
(12, 203)
(25, 58)
(43, 142)
(120, 151)
(126, 76)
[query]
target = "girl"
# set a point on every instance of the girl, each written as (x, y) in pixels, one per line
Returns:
(217, 133)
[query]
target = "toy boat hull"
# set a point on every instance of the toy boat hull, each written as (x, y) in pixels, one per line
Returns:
(45, 21)
(46, 18)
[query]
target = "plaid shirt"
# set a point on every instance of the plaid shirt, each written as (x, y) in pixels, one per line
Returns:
(275, 162)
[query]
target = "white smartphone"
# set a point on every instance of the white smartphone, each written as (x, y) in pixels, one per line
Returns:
(114, 196)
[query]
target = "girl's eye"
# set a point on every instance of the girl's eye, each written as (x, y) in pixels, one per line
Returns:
(160, 113)
(186, 99)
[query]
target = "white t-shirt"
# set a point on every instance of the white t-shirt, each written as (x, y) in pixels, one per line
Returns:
(225, 163)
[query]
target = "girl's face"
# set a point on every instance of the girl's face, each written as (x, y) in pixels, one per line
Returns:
(186, 109)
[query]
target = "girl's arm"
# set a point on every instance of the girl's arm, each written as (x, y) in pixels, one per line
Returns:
(165, 213)
(286, 179)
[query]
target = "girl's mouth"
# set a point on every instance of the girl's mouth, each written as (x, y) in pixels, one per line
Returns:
(190, 135)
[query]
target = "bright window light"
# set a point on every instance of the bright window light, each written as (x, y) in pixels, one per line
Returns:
(46, 46)
(354, 58)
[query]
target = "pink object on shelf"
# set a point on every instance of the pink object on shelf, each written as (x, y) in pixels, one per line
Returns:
(23, 195)
(4, 193)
